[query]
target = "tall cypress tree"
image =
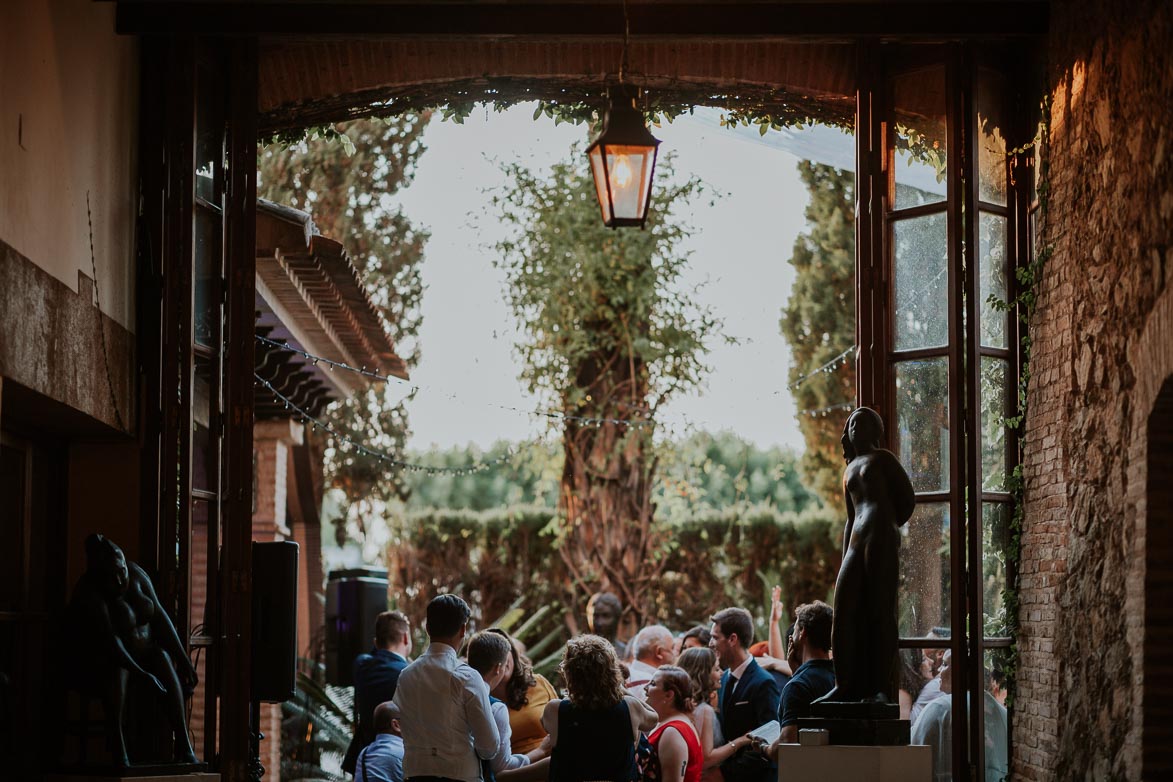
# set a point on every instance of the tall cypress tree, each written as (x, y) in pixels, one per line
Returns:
(819, 324)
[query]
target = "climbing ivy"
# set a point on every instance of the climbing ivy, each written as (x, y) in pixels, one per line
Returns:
(774, 111)
(1025, 301)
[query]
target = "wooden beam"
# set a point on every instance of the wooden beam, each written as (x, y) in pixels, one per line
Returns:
(972, 19)
(236, 563)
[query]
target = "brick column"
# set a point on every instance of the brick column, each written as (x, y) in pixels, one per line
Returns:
(271, 444)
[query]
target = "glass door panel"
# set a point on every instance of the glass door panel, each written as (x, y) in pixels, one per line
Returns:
(918, 156)
(992, 279)
(922, 422)
(995, 545)
(995, 720)
(925, 572)
(996, 455)
(208, 238)
(991, 138)
(921, 282)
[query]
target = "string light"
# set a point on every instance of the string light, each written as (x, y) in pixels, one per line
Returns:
(825, 369)
(552, 414)
(830, 366)
(823, 412)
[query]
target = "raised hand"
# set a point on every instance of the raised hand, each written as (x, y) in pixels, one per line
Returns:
(776, 606)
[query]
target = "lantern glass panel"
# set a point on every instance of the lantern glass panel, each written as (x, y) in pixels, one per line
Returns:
(596, 157)
(629, 175)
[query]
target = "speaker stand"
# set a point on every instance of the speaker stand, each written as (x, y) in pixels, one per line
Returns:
(256, 770)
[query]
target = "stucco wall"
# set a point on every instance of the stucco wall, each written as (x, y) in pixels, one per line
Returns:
(68, 125)
(1103, 343)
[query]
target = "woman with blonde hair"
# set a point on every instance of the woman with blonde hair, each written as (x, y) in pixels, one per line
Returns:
(703, 670)
(594, 731)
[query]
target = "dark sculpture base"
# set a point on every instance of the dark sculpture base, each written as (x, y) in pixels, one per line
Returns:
(855, 710)
(859, 724)
(149, 771)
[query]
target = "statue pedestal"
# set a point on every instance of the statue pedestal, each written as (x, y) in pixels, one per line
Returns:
(798, 763)
(859, 724)
(132, 774)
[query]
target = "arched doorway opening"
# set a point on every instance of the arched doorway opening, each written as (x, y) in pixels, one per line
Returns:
(1158, 590)
(935, 359)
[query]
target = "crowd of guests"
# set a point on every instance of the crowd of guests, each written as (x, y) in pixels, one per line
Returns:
(663, 707)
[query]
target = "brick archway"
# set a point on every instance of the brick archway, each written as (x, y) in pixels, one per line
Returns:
(1157, 738)
(314, 82)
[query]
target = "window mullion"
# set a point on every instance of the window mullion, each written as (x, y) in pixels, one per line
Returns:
(972, 432)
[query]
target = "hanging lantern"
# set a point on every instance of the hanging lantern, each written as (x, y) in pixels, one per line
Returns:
(623, 159)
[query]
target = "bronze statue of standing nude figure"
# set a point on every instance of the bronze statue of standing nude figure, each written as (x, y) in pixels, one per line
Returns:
(880, 500)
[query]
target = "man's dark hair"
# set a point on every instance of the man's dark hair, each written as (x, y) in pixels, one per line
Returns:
(446, 615)
(816, 618)
(486, 649)
(390, 627)
(735, 621)
(384, 714)
(700, 632)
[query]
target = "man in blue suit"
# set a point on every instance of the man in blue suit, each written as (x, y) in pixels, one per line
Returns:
(375, 676)
(748, 697)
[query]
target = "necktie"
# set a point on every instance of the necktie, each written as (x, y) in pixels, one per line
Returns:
(730, 684)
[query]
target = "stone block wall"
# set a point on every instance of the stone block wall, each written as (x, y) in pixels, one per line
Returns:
(1103, 346)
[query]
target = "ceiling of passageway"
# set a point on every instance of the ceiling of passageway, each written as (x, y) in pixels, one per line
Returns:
(328, 60)
(309, 82)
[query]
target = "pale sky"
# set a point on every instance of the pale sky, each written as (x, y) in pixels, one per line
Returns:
(469, 371)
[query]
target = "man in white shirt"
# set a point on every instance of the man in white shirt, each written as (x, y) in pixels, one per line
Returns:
(653, 646)
(448, 725)
(382, 759)
(934, 727)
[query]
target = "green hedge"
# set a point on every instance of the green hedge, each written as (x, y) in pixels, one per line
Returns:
(507, 559)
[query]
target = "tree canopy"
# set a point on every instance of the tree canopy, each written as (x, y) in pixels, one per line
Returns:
(608, 334)
(347, 188)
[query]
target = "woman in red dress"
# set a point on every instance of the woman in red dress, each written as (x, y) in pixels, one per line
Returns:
(675, 738)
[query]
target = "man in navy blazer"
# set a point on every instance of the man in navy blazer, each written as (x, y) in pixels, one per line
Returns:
(375, 676)
(748, 697)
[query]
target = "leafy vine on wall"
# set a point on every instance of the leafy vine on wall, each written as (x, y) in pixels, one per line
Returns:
(1025, 301)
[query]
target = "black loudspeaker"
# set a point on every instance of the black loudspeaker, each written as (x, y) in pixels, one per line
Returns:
(354, 599)
(274, 631)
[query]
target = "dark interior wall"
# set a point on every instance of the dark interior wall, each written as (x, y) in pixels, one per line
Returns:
(103, 498)
(1103, 344)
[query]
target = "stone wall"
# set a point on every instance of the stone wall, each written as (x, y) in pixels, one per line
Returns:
(51, 343)
(1103, 345)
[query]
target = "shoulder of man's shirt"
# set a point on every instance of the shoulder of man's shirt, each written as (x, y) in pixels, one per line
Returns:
(466, 672)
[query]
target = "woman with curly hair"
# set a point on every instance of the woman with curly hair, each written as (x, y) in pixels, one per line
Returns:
(526, 694)
(594, 731)
(675, 738)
